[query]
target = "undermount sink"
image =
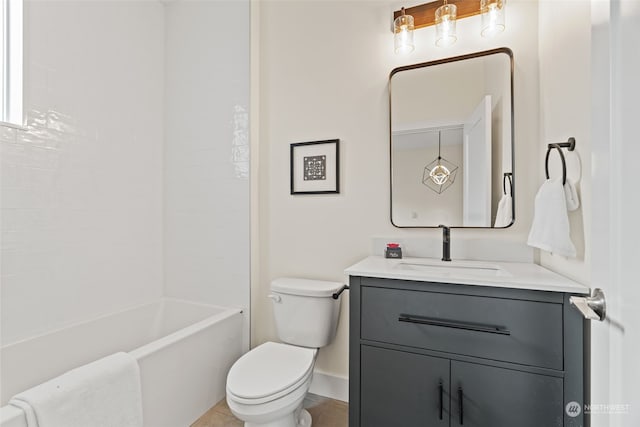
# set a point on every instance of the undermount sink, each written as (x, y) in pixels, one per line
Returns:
(453, 268)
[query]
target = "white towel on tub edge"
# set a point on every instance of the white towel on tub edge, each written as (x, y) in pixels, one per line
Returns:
(104, 393)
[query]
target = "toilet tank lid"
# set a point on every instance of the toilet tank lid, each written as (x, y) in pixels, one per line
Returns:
(305, 287)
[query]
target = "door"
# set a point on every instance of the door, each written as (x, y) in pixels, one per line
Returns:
(615, 230)
(476, 163)
(483, 396)
(403, 389)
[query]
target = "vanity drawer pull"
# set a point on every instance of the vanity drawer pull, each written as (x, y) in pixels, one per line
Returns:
(490, 329)
(441, 389)
(461, 405)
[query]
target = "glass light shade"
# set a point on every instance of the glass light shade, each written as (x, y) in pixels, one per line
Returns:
(492, 17)
(403, 34)
(446, 25)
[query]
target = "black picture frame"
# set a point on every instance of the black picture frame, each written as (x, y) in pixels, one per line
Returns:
(315, 167)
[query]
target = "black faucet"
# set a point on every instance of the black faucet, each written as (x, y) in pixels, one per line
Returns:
(446, 243)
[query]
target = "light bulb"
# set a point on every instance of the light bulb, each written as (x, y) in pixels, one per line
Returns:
(446, 25)
(440, 174)
(403, 33)
(492, 17)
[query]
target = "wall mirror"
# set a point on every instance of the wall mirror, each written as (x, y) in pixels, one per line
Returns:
(452, 142)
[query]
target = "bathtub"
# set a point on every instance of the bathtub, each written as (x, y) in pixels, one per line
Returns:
(184, 351)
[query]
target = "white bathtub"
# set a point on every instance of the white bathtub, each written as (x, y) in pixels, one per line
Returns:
(184, 351)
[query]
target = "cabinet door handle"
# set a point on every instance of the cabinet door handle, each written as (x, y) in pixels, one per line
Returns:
(461, 405)
(476, 327)
(441, 398)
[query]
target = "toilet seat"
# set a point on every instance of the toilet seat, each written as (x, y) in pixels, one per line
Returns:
(269, 372)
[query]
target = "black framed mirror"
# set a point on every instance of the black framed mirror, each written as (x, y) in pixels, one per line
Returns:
(451, 142)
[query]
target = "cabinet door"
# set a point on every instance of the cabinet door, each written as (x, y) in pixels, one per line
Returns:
(403, 389)
(499, 397)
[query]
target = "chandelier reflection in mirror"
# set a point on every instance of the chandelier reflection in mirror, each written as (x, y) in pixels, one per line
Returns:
(440, 174)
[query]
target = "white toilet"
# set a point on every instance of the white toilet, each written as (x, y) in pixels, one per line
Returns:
(266, 386)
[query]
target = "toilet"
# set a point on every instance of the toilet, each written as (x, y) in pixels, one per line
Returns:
(266, 387)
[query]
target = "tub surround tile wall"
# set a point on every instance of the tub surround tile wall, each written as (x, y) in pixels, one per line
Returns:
(131, 181)
(82, 187)
(206, 167)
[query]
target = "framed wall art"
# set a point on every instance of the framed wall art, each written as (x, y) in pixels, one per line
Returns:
(315, 167)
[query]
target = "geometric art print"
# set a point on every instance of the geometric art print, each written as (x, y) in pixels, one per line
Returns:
(315, 168)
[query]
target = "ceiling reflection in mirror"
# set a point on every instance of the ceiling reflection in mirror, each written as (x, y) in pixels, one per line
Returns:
(452, 142)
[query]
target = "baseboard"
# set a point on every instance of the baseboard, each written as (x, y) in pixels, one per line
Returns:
(331, 386)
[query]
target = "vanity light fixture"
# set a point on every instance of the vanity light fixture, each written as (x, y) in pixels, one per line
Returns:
(446, 24)
(444, 14)
(403, 33)
(441, 173)
(492, 17)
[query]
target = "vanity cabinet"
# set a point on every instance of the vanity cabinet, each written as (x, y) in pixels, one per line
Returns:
(439, 354)
(403, 388)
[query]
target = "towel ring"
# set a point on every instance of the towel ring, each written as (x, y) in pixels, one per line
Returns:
(571, 145)
(507, 177)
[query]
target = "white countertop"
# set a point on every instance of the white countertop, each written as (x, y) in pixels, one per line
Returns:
(515, 275)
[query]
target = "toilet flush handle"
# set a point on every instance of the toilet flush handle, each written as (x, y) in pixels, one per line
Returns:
(275, 298)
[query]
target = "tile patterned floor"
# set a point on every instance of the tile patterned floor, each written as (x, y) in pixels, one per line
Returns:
(324, 412)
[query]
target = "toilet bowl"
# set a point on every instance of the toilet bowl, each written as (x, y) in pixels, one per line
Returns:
(266, 387)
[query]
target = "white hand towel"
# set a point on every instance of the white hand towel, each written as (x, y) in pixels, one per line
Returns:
(504, 215)
(104, 393)
(571, 195)
(550, 228)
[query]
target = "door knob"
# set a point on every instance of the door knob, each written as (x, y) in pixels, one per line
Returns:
(593, 307)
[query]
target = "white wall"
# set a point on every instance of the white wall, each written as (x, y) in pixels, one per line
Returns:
(565, 110)
(326, 77)
(81, 189)
(206, 169)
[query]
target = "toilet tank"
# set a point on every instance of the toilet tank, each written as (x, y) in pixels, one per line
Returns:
(305, 312)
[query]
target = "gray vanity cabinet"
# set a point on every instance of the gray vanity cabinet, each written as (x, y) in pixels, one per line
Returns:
(483, 396)
(403, 389)
(438, 354)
